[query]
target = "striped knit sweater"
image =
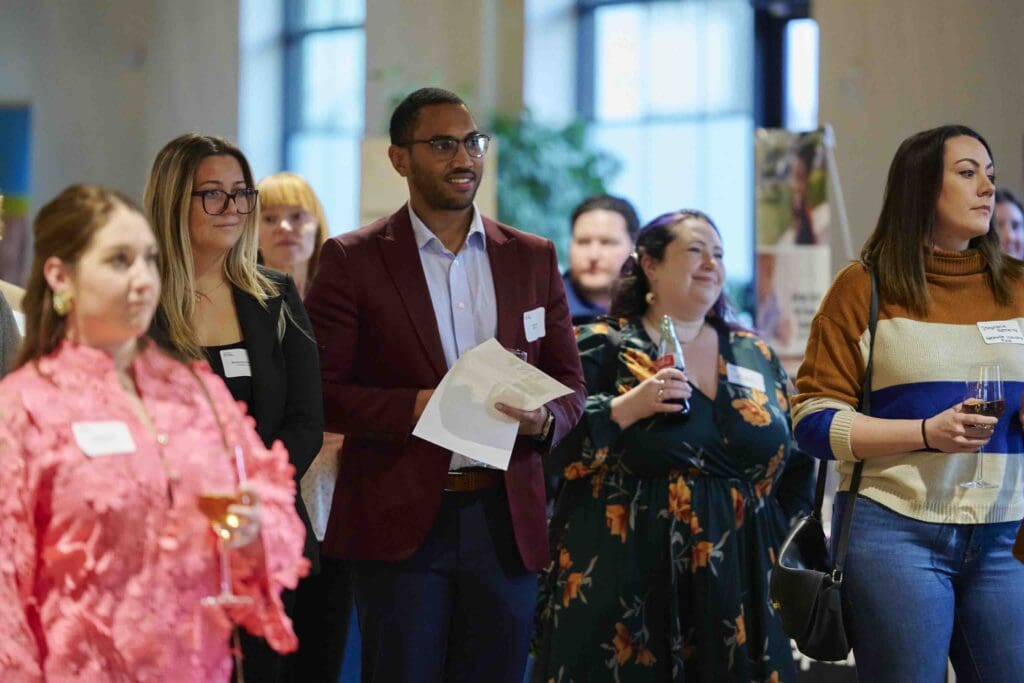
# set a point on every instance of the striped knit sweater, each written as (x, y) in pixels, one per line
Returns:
(921, 365)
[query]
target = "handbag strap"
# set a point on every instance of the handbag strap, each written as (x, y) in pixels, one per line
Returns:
(843, 541)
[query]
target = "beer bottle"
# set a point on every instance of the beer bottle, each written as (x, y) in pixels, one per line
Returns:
(670, 355)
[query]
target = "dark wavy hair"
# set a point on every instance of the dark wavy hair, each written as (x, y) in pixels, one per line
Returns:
(629, 295)
(895, 250)
(1004, 196)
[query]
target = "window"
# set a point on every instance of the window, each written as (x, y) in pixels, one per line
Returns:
(801, 81)
(323, 99)
(668, 88)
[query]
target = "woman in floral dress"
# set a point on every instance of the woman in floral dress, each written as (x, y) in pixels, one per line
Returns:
(667, 526)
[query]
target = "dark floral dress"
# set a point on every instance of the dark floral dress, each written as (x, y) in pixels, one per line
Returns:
(664, 534)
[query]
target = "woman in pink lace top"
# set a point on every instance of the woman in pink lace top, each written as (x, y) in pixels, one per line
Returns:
(105, 443)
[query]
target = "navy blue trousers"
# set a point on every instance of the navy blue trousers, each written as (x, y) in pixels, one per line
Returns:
(459, 609)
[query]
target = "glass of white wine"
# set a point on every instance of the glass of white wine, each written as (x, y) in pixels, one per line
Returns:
(984, 396)
(229, 529)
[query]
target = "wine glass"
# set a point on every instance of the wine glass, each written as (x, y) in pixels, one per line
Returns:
(216, 506)
(984, 396)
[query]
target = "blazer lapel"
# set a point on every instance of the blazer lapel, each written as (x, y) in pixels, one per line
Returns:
(402, 260)
(259, 330)
(503, 254)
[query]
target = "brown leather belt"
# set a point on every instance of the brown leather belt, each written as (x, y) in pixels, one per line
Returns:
(472, 479)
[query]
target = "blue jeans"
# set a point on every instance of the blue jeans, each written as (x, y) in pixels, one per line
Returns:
(917, 593)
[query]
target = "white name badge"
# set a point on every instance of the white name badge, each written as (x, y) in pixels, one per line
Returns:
(533, 323)
(1001, 332)
(236, 363)
(97, 439)
(745, 377)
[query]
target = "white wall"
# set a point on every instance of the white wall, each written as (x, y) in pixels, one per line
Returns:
(110, 82)
(890, 69)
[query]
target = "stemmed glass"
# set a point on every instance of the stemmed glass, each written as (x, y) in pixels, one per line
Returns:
(227, 526)
(984, 396)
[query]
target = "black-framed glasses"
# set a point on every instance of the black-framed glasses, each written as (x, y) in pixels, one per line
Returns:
(446, 147)
(215, 202)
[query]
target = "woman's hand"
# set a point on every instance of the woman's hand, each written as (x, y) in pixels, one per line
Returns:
(650, 397)
(953, 430)
(245, 518)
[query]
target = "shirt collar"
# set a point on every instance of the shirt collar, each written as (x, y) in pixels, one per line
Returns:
(424, 237)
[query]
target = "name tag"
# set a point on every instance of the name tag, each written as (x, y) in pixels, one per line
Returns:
(1001, 332)
(533, 324)
(236, 363)
(97, 439)
(745, 377)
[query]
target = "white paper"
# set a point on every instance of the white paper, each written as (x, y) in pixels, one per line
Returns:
(533, 324)
(1001, 332)
(461, 416)
(319, 481)
(97, 439)
(236, 362)
(745, 377)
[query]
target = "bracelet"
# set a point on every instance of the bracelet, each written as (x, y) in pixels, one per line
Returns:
(924, 437)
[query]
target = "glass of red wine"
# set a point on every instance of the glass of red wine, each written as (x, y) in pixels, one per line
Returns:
(984, 396)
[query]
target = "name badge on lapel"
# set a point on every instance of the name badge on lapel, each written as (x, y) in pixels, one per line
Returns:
(745, 377)
(236, 363)
(97, 439)
(533, 324)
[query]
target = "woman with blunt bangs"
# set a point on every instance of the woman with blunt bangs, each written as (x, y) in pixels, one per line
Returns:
(929, 572)
(106, 445)
(293, 227)
(247, 321)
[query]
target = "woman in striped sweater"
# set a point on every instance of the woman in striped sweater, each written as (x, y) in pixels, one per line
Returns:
(929, 571)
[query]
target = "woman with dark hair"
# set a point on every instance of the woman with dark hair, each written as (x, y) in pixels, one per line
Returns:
(667, 525)
(106, 446)
(1010, 223)
(246, 321)
(929, 570)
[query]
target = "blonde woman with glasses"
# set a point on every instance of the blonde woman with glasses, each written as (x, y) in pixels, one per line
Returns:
(218, 305)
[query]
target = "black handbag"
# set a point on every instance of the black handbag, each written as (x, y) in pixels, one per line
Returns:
(806, 589)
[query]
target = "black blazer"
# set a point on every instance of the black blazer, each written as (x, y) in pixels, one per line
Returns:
(287, 402)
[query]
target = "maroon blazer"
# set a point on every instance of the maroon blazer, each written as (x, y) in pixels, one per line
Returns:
(379, 344)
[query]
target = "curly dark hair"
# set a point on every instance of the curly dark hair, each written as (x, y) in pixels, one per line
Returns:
(629, 296)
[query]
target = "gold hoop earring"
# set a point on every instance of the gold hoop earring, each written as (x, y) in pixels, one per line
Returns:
(649, 298)
(62, 303)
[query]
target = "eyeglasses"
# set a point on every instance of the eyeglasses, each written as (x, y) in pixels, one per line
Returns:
(215, 202)
(445, 147)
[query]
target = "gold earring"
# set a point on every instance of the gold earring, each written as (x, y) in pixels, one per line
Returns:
(649, 298)
(62, 303)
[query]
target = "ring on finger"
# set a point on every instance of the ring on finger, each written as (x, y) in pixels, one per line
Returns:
(661, 392)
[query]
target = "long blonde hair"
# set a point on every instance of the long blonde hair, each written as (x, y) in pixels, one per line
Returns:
(167, 199)
(291, 189)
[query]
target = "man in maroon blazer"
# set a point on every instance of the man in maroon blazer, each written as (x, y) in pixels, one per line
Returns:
(444, 550)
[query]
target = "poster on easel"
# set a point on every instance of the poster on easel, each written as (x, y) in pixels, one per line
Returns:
(15, 146)
(793, 236)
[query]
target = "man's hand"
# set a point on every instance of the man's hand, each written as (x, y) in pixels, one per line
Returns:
(531, 422)
(422, 397)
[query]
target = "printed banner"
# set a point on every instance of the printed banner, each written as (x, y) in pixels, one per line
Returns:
(793, 254)
(14, 186)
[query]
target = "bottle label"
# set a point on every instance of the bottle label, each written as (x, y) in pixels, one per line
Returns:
(666, 361)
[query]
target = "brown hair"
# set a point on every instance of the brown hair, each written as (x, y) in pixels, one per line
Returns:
(64, 228)
(167, 200)
(895, 249)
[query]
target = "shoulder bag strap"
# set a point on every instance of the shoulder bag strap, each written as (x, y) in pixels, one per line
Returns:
(865, 407)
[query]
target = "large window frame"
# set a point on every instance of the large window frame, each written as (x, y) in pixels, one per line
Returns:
(294, 37)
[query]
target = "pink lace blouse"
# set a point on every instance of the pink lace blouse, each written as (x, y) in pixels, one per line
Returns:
(104, 559)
